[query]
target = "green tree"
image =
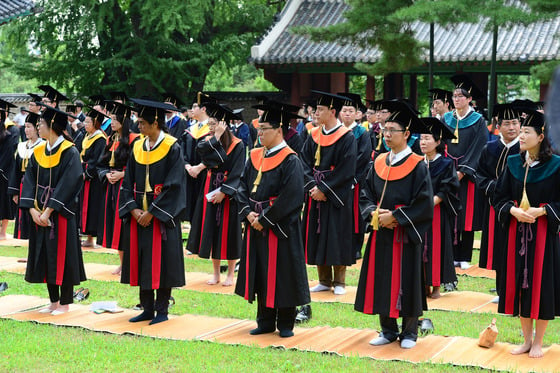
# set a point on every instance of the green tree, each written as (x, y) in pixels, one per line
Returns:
(143, 47)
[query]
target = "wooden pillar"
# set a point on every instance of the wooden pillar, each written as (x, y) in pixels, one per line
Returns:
(543, 91)
(393, 86)
(370, 88)
(338, 82)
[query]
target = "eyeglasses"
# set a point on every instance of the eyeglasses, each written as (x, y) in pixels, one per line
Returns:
(262, 129)
(392, 131)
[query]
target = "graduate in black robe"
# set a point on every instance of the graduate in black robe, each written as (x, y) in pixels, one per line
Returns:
(528, 205)
(491, 164)
(51, 185)
(329, 163)
(110, 171)
(196, 176)
(270, 199)
(6, 165)
(471, 134)
(216, 226)
(93, 145)
(363, 164)
(437, 253)
(175, 123)
(24, 152)
(398, 200)
(151, 203)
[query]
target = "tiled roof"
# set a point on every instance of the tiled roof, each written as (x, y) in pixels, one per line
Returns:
(10, 9)
(462, 42)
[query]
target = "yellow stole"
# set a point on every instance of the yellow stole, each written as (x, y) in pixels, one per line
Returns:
(199, 132)
(88, 142)
(51, 160)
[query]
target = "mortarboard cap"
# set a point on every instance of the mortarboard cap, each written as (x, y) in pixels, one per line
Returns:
(330, 100)
(441, 94)
(506, 111)
(52, 94)
(405, 115)
(31, 117)
(118, 96)
(152, 108)
(220, 112)
(238, 113)
(70, 108)
(95, 114)
(276, 117)
(97, 100)
(34, 97)
(463, 81)
(56, 119)
(437, 128)
(172, 99)
(121, 109)
(355, 100)
(5, 105)
(202, 99)
(540, 105)
(277, 105)
(534, 119)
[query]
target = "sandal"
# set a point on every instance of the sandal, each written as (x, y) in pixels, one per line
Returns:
(82, 295)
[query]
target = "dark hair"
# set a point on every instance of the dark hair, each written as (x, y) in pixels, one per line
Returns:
(545, 150)
(123, 150)
(464, 92)
(226, 139)
(96, 123)
(150, 118)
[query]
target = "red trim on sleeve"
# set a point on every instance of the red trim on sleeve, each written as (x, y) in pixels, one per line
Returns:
(117, 222)
(357, 208)
(491, 227)
(370, 282)
(204, 203)
(156, 253)
(272, 260)
(542, 226)
(85, 205)
(436, 247)
(469, 209)
(510, 267)
(225, 229)
(247, 261)
(133, 252)
(396, 271)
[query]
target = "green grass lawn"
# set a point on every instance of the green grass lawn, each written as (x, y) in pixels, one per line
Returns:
(33, 347)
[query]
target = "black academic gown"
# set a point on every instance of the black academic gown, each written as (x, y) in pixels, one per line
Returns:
(110, 231)
(328, 225)
(23, 220)
(391, 282)
(216, 228)
(153, 255)
(54, 179)
(531, 271)
(176, 127)
(272, 260)
(293, 139)
(78, 137)
(438, 246)
(91, 215)
(7, 161)
(491, 164)
(191, 137)
(363, 164)
(473, 135)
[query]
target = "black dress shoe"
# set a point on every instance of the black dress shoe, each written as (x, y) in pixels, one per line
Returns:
(304, 314)
(286, 333)
(3, 286)
(425, 326)
(159, 318)
(260, 330)
(144, 316)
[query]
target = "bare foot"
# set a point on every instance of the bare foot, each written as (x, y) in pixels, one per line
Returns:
(526, 347)
(50, 308)
(3, 237)
(435, 293)
(228, 282)
(117, 271)
(536, 351)
(61, 309)
(213, 281)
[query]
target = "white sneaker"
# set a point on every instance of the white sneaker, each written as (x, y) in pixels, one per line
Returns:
(319, 287)
(496, 300)
(456, 264)
(465, 265)
(379, 341)
(339, 290)
(408, 343)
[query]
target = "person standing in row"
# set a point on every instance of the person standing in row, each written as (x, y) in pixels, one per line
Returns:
(471, 135)
(398, 201)
(110, 170)
(151, 204)
(24, 152)
(92, 149)
(329, 163)
(438, 244)
(52, 183)
(491, 165)
(7, 149)
(270, 199)
(216, 227)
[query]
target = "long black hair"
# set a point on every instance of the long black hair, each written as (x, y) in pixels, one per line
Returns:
(123, 150)
(545, 150)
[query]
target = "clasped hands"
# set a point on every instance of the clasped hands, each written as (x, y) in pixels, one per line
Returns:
(529, 216)
(386, 219)
(195, 170)
(317, 195)
(253, 219)
(143, 218)
(41, 218)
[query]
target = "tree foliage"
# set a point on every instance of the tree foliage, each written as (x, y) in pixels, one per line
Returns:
(142, 47)
(387, 25)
